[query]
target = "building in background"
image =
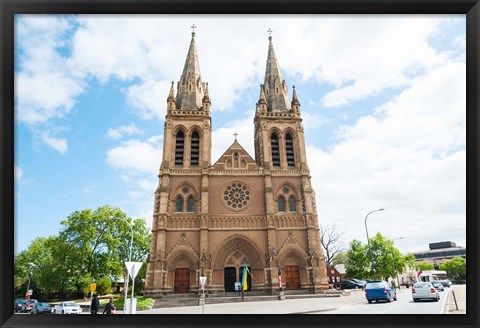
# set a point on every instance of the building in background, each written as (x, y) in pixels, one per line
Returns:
(211, 219)
(440, 252)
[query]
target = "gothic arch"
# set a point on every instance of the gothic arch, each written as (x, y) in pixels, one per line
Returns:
(178, 192)
(292, 252)
(195, 128)
(182, 255)
(242, 243)
(293, 190)
(178, 128)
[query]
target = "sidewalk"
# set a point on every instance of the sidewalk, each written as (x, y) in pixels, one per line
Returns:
(458, 293)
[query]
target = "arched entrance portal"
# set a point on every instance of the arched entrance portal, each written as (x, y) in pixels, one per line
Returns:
(182, 281)
(229, 277)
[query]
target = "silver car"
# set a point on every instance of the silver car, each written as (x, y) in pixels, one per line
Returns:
(424, 290)
(438, 285)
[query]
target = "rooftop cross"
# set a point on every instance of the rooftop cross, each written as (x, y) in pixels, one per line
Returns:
(269, 33)
(235, 134)
(193, 29)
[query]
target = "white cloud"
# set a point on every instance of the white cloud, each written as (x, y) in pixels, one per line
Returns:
(58, 144)
(128, 130)
(135, 157)
(17, 173)
(408, 158)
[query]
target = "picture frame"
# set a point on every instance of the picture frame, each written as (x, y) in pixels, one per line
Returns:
(218, 7)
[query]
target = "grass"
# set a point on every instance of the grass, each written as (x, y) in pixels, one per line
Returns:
(141, 302)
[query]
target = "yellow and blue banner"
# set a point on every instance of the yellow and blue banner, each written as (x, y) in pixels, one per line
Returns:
(244, 276)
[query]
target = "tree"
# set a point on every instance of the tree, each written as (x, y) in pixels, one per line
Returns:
(331, 243)
(91, 245)
(423, 266)
(456, 267)
(387, 259)
(358, 265)
(340, 258)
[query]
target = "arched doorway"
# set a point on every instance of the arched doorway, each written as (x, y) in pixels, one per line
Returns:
(182, 281)
(229, 278)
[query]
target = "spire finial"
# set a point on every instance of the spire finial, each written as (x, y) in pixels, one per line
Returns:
(235, 134)
(269, 34)
(193, 29)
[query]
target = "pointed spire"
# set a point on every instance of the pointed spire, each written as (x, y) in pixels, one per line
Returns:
(207, 96)
(275, 86)
(171, 95)
(295, 97)
(190, 91)
(262, 99)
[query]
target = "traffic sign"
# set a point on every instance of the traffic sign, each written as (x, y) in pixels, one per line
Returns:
(202, 281)
(133, 268)
(93, 287)
(30, 292)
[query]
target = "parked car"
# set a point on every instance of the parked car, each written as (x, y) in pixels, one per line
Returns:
(377, 290)
(18, 304)
(67, 308)
(28, 305)
(350, 284)
(363, 282)
(424, 290)
(438, 285)
(446, 283)
(41, 308)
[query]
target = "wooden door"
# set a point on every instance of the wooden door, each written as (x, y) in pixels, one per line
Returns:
(182, 281)
(292, 277)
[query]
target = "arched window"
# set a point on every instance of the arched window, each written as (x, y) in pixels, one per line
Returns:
(190, 204)
(281, 204)
(179, 204)
(275, 150)
(289, 150)
(195, 149)
(179, 144)
(292, 206)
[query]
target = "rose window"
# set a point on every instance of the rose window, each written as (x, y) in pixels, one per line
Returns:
(237, 196)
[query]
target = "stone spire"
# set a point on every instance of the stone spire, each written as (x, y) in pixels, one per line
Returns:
(274, 86)
(190, 88)
(171, 98)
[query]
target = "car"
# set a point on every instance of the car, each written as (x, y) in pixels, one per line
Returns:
(438, 285)
(351, 284)
(28, 305)
(18, 304)
(424, 290)
(41, 308)
(67, 308)
(378, 290)
(446, 283)
(363, 282)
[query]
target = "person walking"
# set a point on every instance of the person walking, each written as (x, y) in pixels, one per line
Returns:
(95, 306)
(109, 308)
(393, 284)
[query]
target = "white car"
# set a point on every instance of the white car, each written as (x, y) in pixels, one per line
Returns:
(424, 290)
(67, 308)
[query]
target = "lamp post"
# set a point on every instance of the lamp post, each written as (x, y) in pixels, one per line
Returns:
(129, 259)
(368, 240)
(31, 265)
(395, 262)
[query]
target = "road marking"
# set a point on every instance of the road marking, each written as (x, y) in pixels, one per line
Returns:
(443, 309)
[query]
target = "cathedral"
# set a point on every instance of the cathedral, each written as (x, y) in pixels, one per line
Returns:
(210, 219)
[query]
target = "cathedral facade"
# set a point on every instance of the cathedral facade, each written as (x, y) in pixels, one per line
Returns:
(209, 219)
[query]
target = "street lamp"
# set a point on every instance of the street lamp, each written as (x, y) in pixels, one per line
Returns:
(368, 240)
(395, 262)
(31, 265)
(130, 224)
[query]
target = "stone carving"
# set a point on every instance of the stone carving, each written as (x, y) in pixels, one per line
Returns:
(236, 196)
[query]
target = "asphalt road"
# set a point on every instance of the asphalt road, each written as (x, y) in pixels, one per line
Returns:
(403, 305)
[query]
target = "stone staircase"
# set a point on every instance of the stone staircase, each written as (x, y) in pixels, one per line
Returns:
(191, 299)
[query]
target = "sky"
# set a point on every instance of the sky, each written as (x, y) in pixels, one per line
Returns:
(383, 101)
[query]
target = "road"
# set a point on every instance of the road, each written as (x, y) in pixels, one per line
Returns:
(403, 305)
(356, 303)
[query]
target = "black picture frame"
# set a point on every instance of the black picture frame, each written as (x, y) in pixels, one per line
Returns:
(9, 8)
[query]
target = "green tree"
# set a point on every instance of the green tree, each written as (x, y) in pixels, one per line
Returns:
(104, 286)
(456, 267)
(358, 264)
(91, 245)
(340, 258)
(423, 266)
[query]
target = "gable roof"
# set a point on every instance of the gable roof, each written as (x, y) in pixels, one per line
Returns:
(226, 161)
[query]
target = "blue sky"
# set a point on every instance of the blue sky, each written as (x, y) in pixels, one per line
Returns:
(383, 103)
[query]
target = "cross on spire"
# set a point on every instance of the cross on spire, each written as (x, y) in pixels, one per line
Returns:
(193, 29)
(235, 134)
(269, 33)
